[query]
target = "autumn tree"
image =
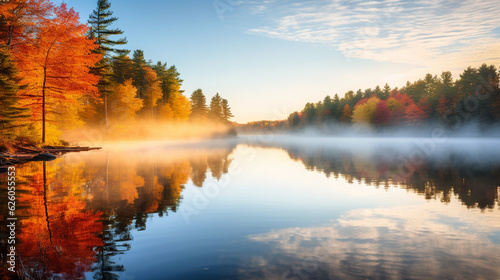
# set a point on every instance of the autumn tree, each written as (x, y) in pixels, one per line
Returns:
(19, 18)
(443, 107)
(58, 233)
(397, 109)
(55, 64)
(11, 112)
(100, 21)
(382, 114)
(151, 90)
(364, 113)
(346, 114)
(124, 104)
(414, 115)
(181, 107)
(198, 105)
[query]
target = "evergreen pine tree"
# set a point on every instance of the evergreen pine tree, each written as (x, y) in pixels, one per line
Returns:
(10, 111)
(199, 107)
(215, 112)
(100, 20)
(226, 110)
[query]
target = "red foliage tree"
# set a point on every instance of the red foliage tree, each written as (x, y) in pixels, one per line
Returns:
(414, 115)
(382, 114)
(443, 106)
(403, 98)
(361, 102)
(425, 106)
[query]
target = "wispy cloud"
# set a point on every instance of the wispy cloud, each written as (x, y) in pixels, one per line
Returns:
(421, 32)
(384, 243)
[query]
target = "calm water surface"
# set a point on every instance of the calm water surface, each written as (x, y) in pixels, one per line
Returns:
(263, 208)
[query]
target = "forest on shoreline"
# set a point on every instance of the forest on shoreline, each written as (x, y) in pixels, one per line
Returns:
(57, 75)
(433, 101)
(60, 79)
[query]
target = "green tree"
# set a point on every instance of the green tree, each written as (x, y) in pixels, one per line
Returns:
(11, 111)
(447, 78)
(162, 73)
(199, 109)
(385, 92)
(139, 72)
(294, 119)
(100, 20)
(310, 113)
(171, 84)
(216, 113)
(226, 111)
(468, 82)
(122, 68)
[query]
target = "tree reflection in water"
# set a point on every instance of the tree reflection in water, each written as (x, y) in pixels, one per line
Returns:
(465, 170)
(76, 214)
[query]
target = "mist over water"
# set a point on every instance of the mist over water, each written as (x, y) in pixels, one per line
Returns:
(147, 131)
(466, 149)
(266, 206)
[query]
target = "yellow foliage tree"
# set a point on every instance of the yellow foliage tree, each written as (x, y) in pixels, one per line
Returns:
(364, 113)
(151, 91)
(181, 107)
(166, 112)
(123, 103)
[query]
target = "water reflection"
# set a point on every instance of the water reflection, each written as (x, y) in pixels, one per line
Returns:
(56, 233)
(466, 168)
(76, 213)
(79, 214)
(389, 243)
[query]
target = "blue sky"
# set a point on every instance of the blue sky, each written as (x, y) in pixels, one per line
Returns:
(270, 57)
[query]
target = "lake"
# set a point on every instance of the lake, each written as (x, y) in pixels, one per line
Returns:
(262, 207)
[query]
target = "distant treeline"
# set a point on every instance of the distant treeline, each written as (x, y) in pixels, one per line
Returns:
(433, 100)
(58, 74)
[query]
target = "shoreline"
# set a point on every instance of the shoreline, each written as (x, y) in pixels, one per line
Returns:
(21, 155)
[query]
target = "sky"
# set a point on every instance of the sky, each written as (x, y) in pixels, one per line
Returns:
(270, 57)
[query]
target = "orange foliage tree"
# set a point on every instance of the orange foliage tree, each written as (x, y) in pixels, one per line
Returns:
(55, 64)
(152, 90)
(346, 114)
(19, 17)
(57, 233)
(414, 115)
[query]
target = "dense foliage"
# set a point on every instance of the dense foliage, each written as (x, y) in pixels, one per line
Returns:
(474, 96)
(60, 74)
